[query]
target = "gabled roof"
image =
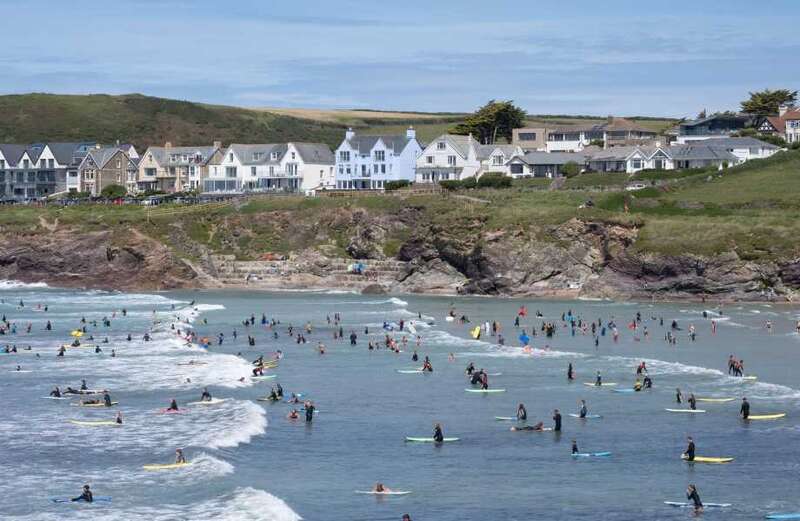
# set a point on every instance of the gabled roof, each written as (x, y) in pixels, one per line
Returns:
(792, 115)
(65, 152)
(12, 153)
(364, 144)
(696, 122)
(485, 151)
(101, 156)
(163, 155)
(320, 153)
(738, 142)
(247, 153)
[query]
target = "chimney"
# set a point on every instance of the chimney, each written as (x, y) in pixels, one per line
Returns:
(217, 144)
(783, 109)
(411, 133)
(349, 134)
(98, 146)
(168, 144)
(610, 119)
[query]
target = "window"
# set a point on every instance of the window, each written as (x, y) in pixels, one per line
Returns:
(383, 169)
(25, 164)
(272, 170)
(516, 168)
(150, 172)
(230, 171)
(253, 171)
(380, 155)
(429, 160)
(497, 160)
(273, 156)
(256, 156)
(375, 168)
(527, 136)
(119, 164)
(440, 145)
(659, 164)
(50, 163)
(344, 156)
(451, 160)
(363, 170)
(230, 156)
(636, 163)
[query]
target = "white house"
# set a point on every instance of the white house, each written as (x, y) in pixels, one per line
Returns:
(454, 157)
(369, 162)
(282, 167)
(792, 129)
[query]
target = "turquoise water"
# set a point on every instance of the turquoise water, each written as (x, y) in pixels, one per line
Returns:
(251, 462)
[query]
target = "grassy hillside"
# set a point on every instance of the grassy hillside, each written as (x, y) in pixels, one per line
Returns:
(144, 120)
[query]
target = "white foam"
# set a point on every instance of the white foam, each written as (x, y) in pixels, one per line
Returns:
(15, 284)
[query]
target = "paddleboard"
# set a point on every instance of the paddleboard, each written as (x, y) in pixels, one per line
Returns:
(449, 318)
(591, 454)
(587, 417)
(494, 374)
(716, 400)
(413, 439)
(212, 401)
(167, 466)
(387, 493)
(21, 371)
(684, 504)
(685, 410)
(604, 384)
(409, 371)
(412, 329)
(96, 499)
(793, 515)
(268, 399)
(94, 404)
(485, 391)
(706, 459)
(767, 416)
(543, 429)
(98, 423)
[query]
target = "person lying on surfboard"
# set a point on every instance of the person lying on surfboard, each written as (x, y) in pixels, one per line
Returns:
(118, 419)
(86, 495)
(56, 393)
(538, 427)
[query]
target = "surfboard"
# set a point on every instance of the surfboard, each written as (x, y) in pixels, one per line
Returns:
(716, 400)
(623, 391)
(494, 374)
(167, 466)
(449, 318)
(212, 401)
(707, 459)
(604, 384)
(587, 417)
(413, 439)
(268, 399)
(767, 416)
(485, 391)
(475, 332)
(792, 515)
(56, 397)
(94, 404)
(21, 371)
(686, 410)
(264, 377)
(591, 454)
(543, 429)
(409, 371)
(412, 329)
(98, 423)
(506, 418)
(96, 499)
(387, 493)
(684, 504)
(171, 411)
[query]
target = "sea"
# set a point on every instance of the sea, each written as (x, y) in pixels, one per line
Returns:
(250, 462)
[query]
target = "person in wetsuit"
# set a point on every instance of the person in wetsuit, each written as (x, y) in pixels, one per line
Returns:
(574, 447)
(206, 396)
(522, 413)
(86, 495)
(583, 409)
(438, 434)
(689, 453)
(106, 399)
(647, 383)
(570, 372)
(470, 369)
(744, 411)
(118, 419)
(173, 405)
(309, 412)
(694, 497)
(556, 420)
(538, 427)
(678, 396)
(179, 457)
(599, 379)
(692, 401)
(56, 392)
(426, 365)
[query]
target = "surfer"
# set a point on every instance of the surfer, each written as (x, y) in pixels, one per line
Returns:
(173, 405)
(179, 457)
(688, 454)
(426, 365)
(118, 419)
(744, 411)
(574, 447)
(692, 401)
(379, 488)
(522, 413)
(470, 369)
(637, 386)
(206, 396)
(570, 372)
(86, 495)
(647, 383)
(583, 410)
(538, 427)
(556, 420)
(678, 396)
(309, 411)
(598, 379)
(293, 414)
(56, 392)
(694, 497)
(438, 435)
(106, 399)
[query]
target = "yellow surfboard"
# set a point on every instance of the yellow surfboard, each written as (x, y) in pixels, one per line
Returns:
(706, 459)
(767, 416)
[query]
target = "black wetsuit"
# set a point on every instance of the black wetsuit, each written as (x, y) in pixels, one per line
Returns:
(583, 412)
(695, 498)
(309, 413)
(522, 414)
(557, 420)
(690, 451)
(692, 403)
(745, 410)
(86, 496)
(437, 435)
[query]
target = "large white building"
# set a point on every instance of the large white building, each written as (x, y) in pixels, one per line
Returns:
(369, 162)
(453, 157)
(281, 167)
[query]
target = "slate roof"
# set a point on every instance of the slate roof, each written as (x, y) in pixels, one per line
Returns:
(396, 142)
(551, 158)
(699, 152)
(12, 153)
(738, 142)
(316, 153)
(321, 154)
(163, 155)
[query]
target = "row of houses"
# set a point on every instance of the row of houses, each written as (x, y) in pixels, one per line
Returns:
(369, 162)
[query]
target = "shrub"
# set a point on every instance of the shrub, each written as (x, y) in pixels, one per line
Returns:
(795, 145)
(451, 185)
(396, 185)
(469, 182)
(598, 143)
(114, 192)
(571, 169)
(494, 180)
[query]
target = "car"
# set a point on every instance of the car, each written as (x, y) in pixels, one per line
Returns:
(635, 186)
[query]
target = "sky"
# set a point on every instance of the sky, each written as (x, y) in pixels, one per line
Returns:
(615, 57)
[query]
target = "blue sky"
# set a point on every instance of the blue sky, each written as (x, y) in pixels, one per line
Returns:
(580, 57)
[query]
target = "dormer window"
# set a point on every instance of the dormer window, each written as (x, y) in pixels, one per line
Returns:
(441, 145)
(256, 156)
(293, 155)
(497, 160)
(230, 156)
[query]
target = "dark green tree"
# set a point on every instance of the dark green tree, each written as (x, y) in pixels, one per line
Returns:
(496, 119)
(114, 192)
(766, 102)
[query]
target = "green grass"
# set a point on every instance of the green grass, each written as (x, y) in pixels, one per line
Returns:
(598, 180)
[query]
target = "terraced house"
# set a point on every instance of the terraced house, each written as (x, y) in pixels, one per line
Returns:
(105, 166)
(39, 169)
(173, 169)
(369, 162)
(272, 167)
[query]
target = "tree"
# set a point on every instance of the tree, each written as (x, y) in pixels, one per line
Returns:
(570, 169)
(766, 102)
(114, 192)
(496, 119)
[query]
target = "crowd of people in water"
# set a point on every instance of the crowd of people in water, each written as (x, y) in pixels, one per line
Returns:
(395, 337)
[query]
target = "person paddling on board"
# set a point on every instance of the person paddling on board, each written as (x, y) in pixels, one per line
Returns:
(438, 434)
(173, 405)
(538, 427)
(583, 410)
(522, 413)
(744, 411)
(694, 497)
(206, 396)
(380, 488)
(688, 455)
(84, 387)
(86, 495)
(179, 457)
(56, 392)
